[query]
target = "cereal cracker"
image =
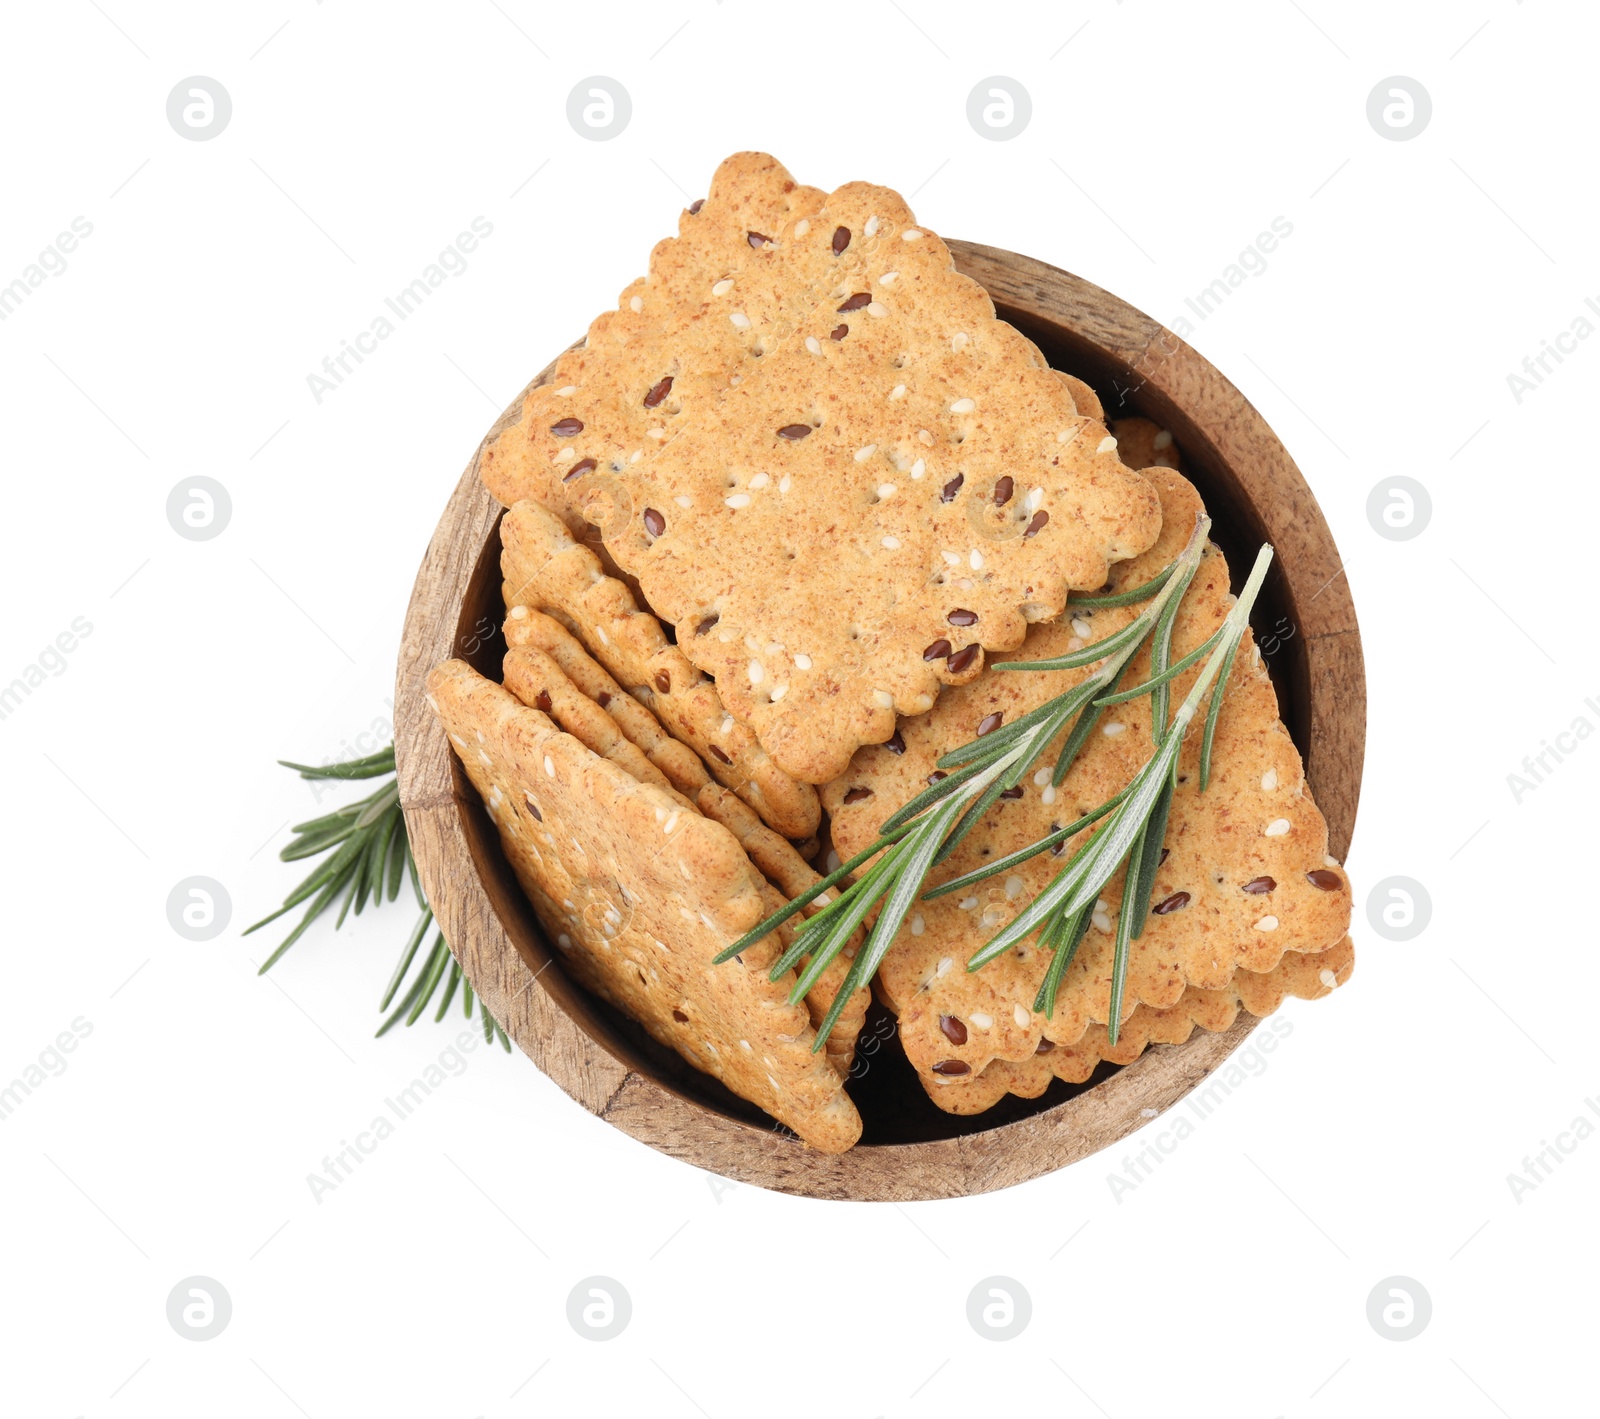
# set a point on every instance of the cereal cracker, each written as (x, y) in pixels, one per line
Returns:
(640, 894)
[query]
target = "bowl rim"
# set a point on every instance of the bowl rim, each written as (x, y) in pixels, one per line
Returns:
(493, 932)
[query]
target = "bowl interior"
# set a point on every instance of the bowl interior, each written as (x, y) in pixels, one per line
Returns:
(894, 1107)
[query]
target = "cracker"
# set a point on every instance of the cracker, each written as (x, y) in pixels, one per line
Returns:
(535, 679)
(672, 325)
(640, 895)
(583, 700)
(1142, 444)
(922, 481)
(1218, 843)
(545, 569)
(1308, 977)
(678, 762)
(1084, 398)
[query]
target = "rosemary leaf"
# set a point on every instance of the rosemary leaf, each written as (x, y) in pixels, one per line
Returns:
(1169, 674)
(369, 767)
(862, 898)
(1119, 958)
(843, 870)
(1122, 598)
(1149, 858)
(449, 989)
(399, 848)
(918, 854)
(936, 793)
(412, 942)
(1023, 854)
(1212, 712)
(1066, 933)
(1128, 637)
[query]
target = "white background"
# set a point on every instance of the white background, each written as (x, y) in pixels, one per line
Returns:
(177, 343)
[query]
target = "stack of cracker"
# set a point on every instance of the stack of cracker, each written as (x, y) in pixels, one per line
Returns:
(809, 446)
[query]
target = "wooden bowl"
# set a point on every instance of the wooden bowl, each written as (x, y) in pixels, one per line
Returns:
(910, 1149)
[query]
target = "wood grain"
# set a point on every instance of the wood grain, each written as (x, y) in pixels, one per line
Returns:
(617, 1072)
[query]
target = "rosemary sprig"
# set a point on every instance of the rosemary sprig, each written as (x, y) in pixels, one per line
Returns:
(1133, 834)
(927, 829)
(371, 856)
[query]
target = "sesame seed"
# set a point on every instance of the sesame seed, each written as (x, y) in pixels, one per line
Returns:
(1049, 794)
(1107, 445)
(975, 560)
(738, 500)
(1269, 780)
(672, 821)
(1102, 905)
(952, 558)
(813, 344)
(1101, 921)
(802, 226)
(567, 390)
(967, 903)
(918, 925)
(891, 544)
(1041, 778)
(898, 392)
(888, 278)
(980, 1020)
(723, 286)
(1115, 728)
(911, 234)
(683, 500)
(802, 662)
(1328, 860)
(756, 671)
(945, 962)
(865, 452)
(883, 699)
(779, 691)
(1276, 828)
(1032, 501)
(1082, 628)
(785, 483)
(871, 228)
(1328, 978)
(636, 304)
(918, 468)
(959, 339)
(549, 766)
(1267, 923)
(518, 613)
(1013, 887)
(1162, 440)
(963, 406)
(877, 310)
(885, 490)
(760, 480)
(925, 437)
(740, 320)
(1020, 1016)
(566, 455)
